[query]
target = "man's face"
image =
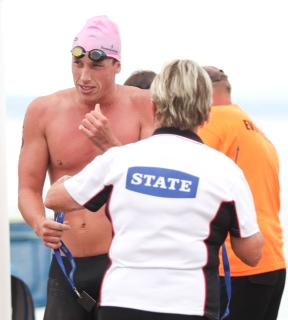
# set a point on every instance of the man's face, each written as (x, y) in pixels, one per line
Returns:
(94, 79)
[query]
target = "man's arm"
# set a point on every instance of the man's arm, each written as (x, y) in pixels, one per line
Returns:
(249, 250)
(33, 162)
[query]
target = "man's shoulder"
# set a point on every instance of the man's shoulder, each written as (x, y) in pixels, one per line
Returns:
(135, 100)
(229, 110)
(61, 94)
(50, 100)
(135, 94)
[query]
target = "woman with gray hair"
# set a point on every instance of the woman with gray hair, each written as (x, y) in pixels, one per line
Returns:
(182, 95)
(172, 201)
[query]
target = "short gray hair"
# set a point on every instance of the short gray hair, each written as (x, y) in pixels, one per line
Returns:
(182, 94)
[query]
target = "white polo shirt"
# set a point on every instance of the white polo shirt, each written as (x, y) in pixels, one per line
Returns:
(172, 201)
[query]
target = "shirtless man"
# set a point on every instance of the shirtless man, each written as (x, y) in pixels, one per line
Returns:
(62, 133)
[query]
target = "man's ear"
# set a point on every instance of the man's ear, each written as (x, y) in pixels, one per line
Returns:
(117, 66)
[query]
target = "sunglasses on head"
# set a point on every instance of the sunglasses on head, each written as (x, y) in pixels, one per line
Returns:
(94, 55)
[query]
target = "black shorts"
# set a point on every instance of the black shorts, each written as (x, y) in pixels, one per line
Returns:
(117, 313)
(61, 303)
(255, 297)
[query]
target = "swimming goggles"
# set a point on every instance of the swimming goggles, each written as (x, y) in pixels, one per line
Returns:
(94, 55)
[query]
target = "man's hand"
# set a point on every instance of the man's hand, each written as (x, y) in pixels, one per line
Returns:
(51, 232)
(97, 128)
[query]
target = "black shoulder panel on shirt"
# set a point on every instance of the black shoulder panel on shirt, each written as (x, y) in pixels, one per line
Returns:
(99, 199)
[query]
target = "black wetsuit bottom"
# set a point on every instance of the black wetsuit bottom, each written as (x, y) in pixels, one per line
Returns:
(255, 297)
(117, 313)
(61, 302)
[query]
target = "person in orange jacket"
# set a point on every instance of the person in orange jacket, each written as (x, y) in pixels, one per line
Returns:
(256, 291)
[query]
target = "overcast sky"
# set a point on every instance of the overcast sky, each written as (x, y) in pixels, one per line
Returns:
(248, 39)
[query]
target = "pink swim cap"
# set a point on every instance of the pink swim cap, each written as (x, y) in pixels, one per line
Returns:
(100, 33)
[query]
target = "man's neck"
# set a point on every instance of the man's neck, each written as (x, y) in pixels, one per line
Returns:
(109, 97)
(221, 99)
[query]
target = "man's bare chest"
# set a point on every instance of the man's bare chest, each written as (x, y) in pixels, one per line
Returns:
(70, 149)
